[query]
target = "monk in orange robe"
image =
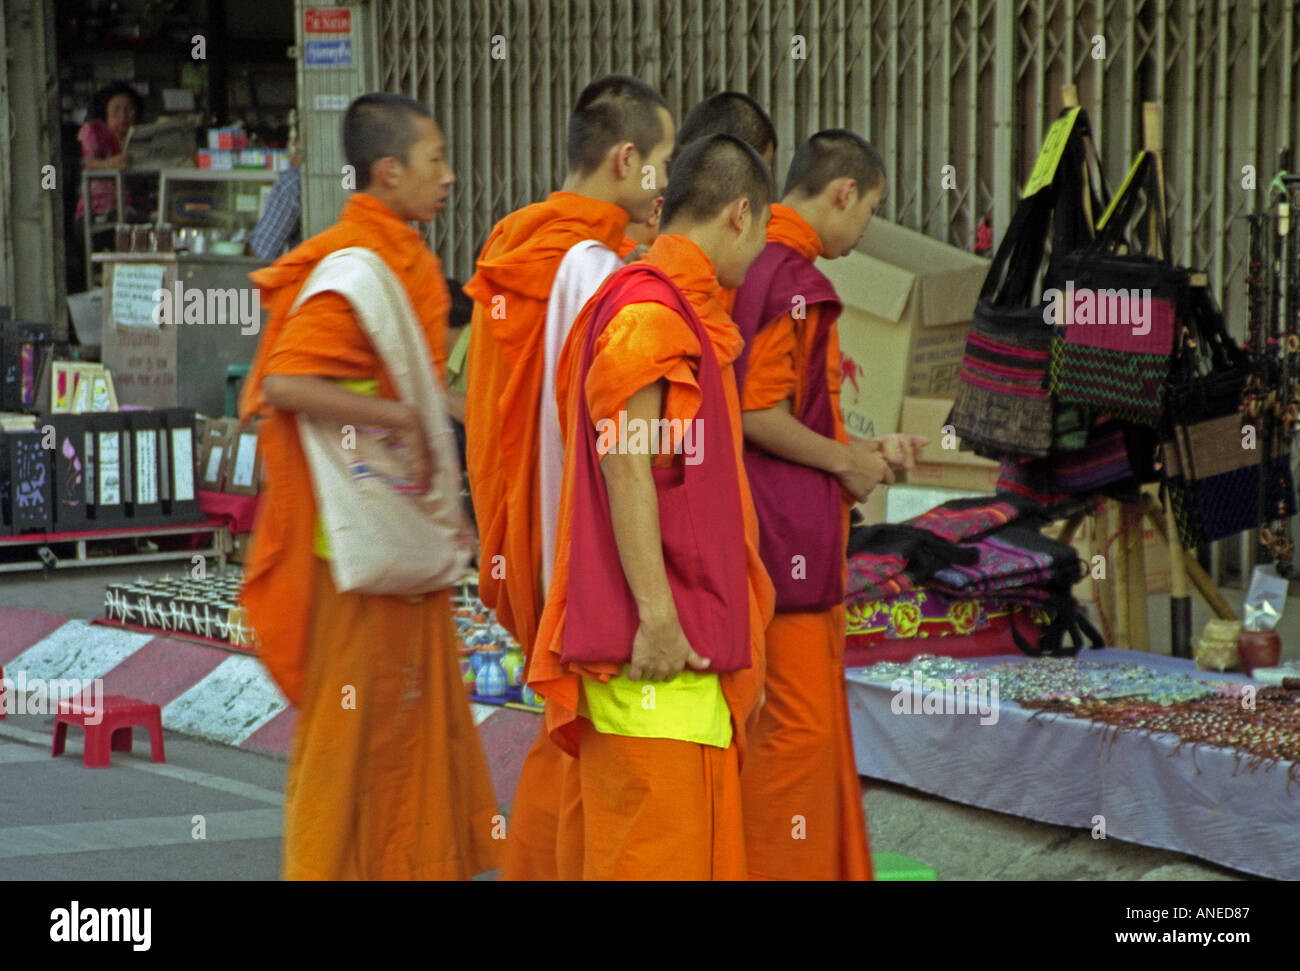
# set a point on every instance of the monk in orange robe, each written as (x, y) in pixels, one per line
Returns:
(658, 736)
(736, 114)
(386, 778)
(619, 132)
(802, 797)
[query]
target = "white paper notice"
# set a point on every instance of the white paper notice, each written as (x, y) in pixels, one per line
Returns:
(213, 471)
(146, 466)
(182, 464)
(134, 285)
(244, 460)
(110, 469)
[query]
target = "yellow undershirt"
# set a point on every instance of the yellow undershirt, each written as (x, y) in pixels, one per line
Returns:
(689, 708)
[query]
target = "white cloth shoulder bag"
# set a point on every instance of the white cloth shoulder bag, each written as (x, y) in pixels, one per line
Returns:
(385, 537)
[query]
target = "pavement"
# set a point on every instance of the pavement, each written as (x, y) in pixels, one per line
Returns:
(228, 732)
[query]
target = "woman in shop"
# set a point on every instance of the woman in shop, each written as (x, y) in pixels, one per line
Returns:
(103, 141)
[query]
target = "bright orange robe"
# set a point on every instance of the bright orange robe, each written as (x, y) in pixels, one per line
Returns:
(503, 396)
(394, 784)
(802, 795)
(652, 808)
(626, 247)
(503, 391)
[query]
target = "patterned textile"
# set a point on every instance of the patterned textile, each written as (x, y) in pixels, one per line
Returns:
(924, 613)
(873, 576)
(1102, 461)
(1012, 558)
(1128, 386)
(959, 520)
(885, 560)
(1121, 316)
(1028, 477)
(1002, 403)
(1227, 503)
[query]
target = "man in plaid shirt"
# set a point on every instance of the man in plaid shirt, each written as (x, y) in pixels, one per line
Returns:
(280, 227)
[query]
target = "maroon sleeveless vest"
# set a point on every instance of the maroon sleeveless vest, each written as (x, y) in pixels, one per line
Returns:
(800, 512)
(700, 518)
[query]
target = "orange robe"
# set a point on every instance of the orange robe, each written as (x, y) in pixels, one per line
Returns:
(626, 247)
(503, 396)
(651, 808)
(802, 796)
(386, 778)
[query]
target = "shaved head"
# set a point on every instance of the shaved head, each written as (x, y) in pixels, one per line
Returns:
(708, 174)
(380, 125)
(729, 113)
(832, 154)
(612, 110)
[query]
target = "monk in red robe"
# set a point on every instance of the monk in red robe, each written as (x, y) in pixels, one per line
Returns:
(802, 797)
(386, 778)
(619, 140)
(651, 665)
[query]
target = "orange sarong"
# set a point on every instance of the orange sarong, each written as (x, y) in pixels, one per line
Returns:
(503, 396)
(802, 795)
(651, 808)
(396, 786)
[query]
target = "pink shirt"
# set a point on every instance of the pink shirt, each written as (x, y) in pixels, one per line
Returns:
(98, 141)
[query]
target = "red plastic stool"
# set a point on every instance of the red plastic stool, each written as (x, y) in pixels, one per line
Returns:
(113, 733)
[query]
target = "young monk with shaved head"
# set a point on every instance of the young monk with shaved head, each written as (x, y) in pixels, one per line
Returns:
(650, 650)
(726, 113)
(802, 798)
(386, 778)
(619, 140)
(731, 113)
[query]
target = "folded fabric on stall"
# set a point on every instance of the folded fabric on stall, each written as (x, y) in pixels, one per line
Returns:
(885, 560)
(1012, 558)
(959, 520)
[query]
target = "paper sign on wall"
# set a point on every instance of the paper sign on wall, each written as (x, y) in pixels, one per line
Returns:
(134, 285)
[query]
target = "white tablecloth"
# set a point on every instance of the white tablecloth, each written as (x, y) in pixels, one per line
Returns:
(1057, 770)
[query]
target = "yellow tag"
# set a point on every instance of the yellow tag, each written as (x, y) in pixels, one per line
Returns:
(1049, 157)
(1119, 194)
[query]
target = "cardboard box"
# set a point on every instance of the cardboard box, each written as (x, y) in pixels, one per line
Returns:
(908, 301)
(942, 464)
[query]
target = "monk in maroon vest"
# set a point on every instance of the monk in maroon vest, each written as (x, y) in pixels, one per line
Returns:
(802, 799)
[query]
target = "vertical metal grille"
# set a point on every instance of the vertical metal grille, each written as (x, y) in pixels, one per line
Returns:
(968, 83)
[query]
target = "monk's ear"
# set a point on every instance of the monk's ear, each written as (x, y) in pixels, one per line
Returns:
(384, 171)
(623, 161)
(844, 192)
(739, 209)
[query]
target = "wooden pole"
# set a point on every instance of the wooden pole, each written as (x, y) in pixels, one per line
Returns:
(1192, 570)
(1119, 572)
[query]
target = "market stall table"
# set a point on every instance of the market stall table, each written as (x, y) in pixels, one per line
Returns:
(1150, 789)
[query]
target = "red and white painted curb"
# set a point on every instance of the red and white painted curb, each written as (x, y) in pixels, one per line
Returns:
(204, 691)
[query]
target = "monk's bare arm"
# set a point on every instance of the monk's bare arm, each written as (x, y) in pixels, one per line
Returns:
(660, 649)
(456, 405)
(324, 399)
(858, 466)
(776, 430)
